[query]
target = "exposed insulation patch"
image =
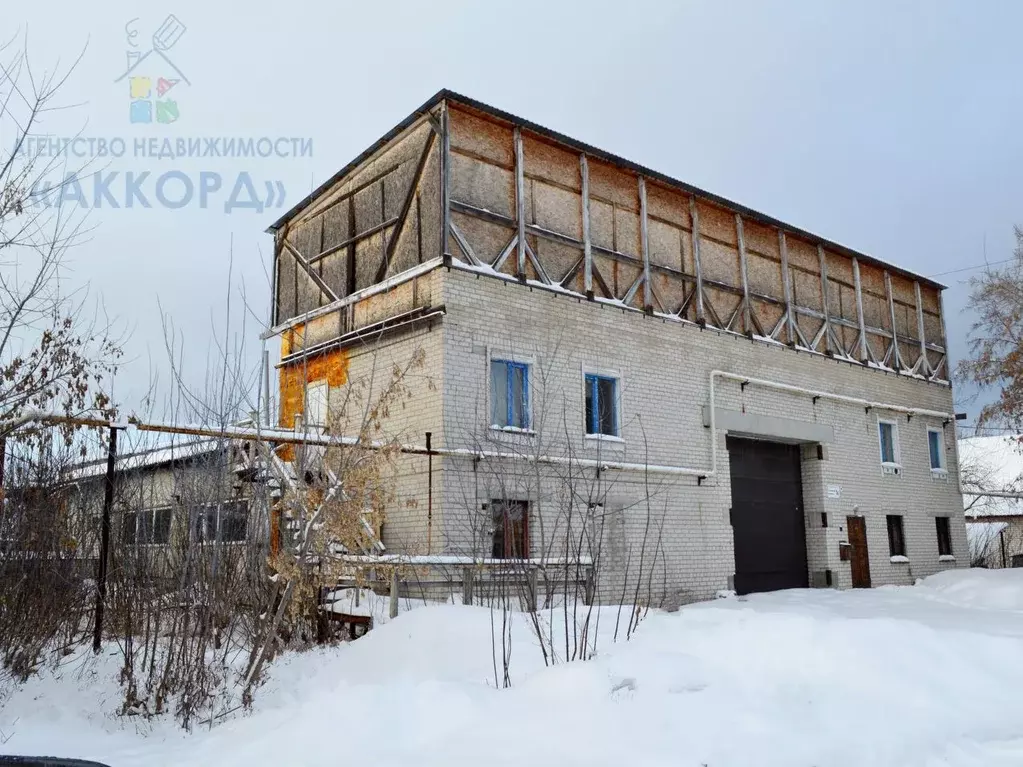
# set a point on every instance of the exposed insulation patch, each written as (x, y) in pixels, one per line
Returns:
(331, 366)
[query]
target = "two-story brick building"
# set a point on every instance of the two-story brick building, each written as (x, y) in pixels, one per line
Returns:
(717, 398)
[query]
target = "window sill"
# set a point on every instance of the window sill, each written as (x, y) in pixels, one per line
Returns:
(891, 469)
(899, 559)
(512, 430)
(939, 474)
(605, 438)
(947, 558)
(221, 543)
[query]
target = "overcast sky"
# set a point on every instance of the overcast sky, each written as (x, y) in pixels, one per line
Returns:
(893, 128)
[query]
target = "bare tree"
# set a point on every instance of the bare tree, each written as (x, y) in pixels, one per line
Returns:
(995, 360)
(43, 584)
(591, 533)
(54, 353)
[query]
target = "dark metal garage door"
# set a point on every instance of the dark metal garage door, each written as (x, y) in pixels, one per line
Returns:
(767, 516)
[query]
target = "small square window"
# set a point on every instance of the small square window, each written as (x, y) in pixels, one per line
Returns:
(888, 435)
(896, 539)
(944, 536)
(601, 405)
(509, 394)
(936, 449)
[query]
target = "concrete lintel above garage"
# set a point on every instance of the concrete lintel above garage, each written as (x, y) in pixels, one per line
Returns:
(770, 427)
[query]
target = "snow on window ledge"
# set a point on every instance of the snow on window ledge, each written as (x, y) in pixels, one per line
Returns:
(947, 558)
(899, 559)
(512, 430)
(939, 474)
(891, 469)
(606, 438)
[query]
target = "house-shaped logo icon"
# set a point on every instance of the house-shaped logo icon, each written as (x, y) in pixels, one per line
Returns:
(152, 75)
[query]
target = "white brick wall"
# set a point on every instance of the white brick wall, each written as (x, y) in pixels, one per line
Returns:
(370, 368)
(664, 369)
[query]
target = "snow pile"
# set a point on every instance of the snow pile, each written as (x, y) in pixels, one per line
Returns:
(921, 675)
(979, 588)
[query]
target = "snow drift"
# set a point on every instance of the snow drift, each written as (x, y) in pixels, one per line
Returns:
(921, 675)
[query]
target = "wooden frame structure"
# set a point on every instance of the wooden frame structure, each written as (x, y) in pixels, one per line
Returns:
(493, 193)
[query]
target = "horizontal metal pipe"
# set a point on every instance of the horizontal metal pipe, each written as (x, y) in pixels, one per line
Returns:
(437, 559)
(290, 437)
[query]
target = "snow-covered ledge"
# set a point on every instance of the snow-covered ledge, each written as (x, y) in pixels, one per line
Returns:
(947, 558)
(900, 560)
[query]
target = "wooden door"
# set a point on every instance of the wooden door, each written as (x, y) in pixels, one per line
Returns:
(860, 560)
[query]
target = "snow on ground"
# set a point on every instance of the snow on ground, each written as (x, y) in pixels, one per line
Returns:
(924, 675)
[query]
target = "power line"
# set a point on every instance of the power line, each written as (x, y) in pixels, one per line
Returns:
(976, 427)
(974, 267)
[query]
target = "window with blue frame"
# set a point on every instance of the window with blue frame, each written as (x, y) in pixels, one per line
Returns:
(601, 405)
(936, 448)
(509, 394)
(889, 438)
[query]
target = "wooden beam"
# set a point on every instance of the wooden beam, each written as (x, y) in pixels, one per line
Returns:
(645, 245)
(351, 241)
(317, 280)
(276, 308)
(545, 234)
(747, 325)
(945, 359)
(406, 206)
(445, 182)
(859, 311)
(896, 358)
(920, 327)
(464, 245)
(786, 284)
(584, 172)
(323, 207)
(871, 330)
(537, 266)
(695, 219)
(829, 338)
(503, 255)
(520, 207)
(350, 255)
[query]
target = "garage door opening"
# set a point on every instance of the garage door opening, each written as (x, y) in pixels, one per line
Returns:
(767, 516)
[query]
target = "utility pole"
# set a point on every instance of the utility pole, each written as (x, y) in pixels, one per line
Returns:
(104, 541)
